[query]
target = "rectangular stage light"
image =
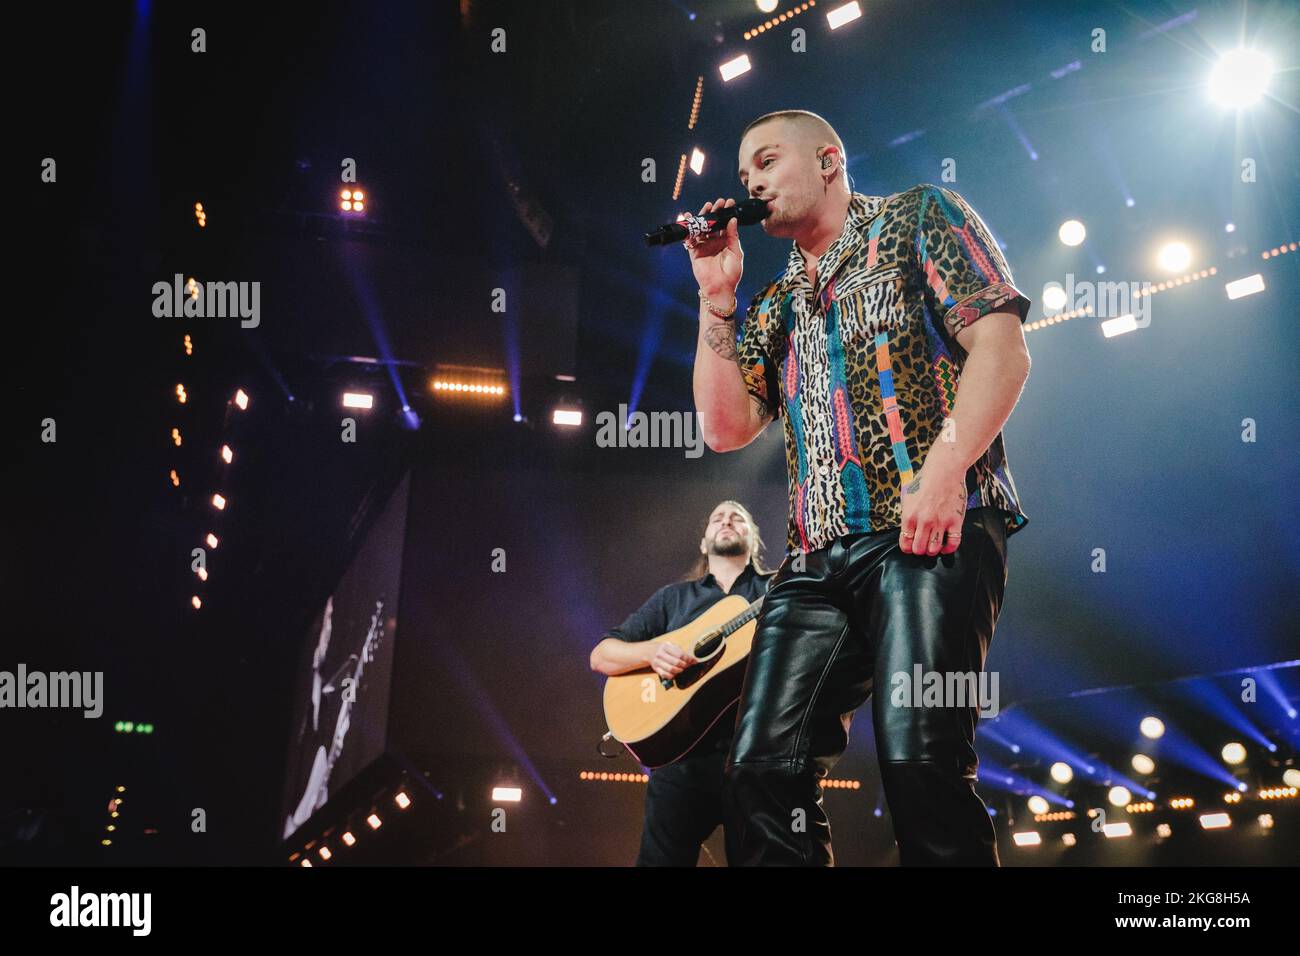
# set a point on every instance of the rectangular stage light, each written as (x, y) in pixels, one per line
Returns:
(697, 161)
(567, 416)
(507, 794)
(1113, 830)
(1239, 288)
(358, 400)
(845, 14)
(734, 68)
(1215, 821)
(1027, 838)
(1113, 327)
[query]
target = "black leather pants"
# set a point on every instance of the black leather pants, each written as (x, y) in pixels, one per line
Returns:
(859, 613)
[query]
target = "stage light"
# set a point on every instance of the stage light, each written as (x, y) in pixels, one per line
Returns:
(196, 602)
(1152, 727)
(202, 572)
(1229, 227)
(348, 839)
(374, 821)
(1113, 831)
(176, 479)
(766, 6)
(180, 394)
(212, 541)
(1068, 839)
(695, 104)
(1027, 838)
(567, 416)
(1038, 804)
(1233, 753)
(1239, 288)
(1265, 821)
(1233, 796)
(200, 216)
(226, 454)
(1240, 78)
(1278, 793)
(358, 400)
(1215, 821)
(305, 862)
(325, 853)
(1164, 831)
(1054, 297)
(219, 502)
(734, 68)
(1143, 764)
(241, 399)
(845, 14)
(1174, 256)
(351, 200)
(176, 437)
(1119, 796)
(402, 800)
(189, 346)
(1129, 202)
(1291, 777)
(697, 160)
(1118, 325)
(1062, 772)
(507, 794)
(1072, 232)
(1182, 803)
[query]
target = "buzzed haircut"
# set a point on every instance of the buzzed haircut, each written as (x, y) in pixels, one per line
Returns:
(810, 123)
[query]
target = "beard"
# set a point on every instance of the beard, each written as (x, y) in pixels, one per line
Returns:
(733, 545)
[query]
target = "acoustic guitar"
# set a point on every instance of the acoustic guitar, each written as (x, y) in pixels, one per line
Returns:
(660, 720)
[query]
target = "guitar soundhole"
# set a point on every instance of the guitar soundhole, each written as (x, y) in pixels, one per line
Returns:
(696, 671)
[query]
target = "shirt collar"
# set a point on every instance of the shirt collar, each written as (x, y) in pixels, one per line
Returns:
(862, 209)
(747, 572)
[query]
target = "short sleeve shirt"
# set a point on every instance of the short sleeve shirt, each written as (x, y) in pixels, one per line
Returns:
(863, 367)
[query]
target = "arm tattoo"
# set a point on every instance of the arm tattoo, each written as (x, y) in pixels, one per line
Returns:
(722, 339)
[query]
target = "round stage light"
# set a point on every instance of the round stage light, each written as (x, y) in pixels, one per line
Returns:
(766, 6)
(1119, 796)
(1175, 257)
(1233, 753)
(1038, 805)
(1143, 764)
(1062, 772)
(1054, 297)
(1072, 232)
(1152, 727)
(1240, 78)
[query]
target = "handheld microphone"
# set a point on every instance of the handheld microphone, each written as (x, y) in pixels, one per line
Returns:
(746, 213)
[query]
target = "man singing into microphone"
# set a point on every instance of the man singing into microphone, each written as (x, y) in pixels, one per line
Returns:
(892, 347)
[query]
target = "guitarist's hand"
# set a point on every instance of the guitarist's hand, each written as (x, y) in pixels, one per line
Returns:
(669, 660)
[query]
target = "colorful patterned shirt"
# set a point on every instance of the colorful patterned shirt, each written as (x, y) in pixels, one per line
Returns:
(864, 367)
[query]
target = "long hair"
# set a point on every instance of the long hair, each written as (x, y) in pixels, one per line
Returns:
(700, 567)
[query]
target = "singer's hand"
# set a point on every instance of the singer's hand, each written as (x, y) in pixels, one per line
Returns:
(717, 260)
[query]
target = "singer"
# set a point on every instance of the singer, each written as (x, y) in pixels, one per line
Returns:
(892, 347)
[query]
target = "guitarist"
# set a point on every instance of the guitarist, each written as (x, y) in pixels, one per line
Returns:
(683, 803)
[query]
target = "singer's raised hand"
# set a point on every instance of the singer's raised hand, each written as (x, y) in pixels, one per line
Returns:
(717, 260)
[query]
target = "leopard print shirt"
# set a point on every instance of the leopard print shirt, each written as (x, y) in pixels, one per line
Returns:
(864, 367)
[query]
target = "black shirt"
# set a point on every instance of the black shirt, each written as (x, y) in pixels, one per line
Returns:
(676, 605)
